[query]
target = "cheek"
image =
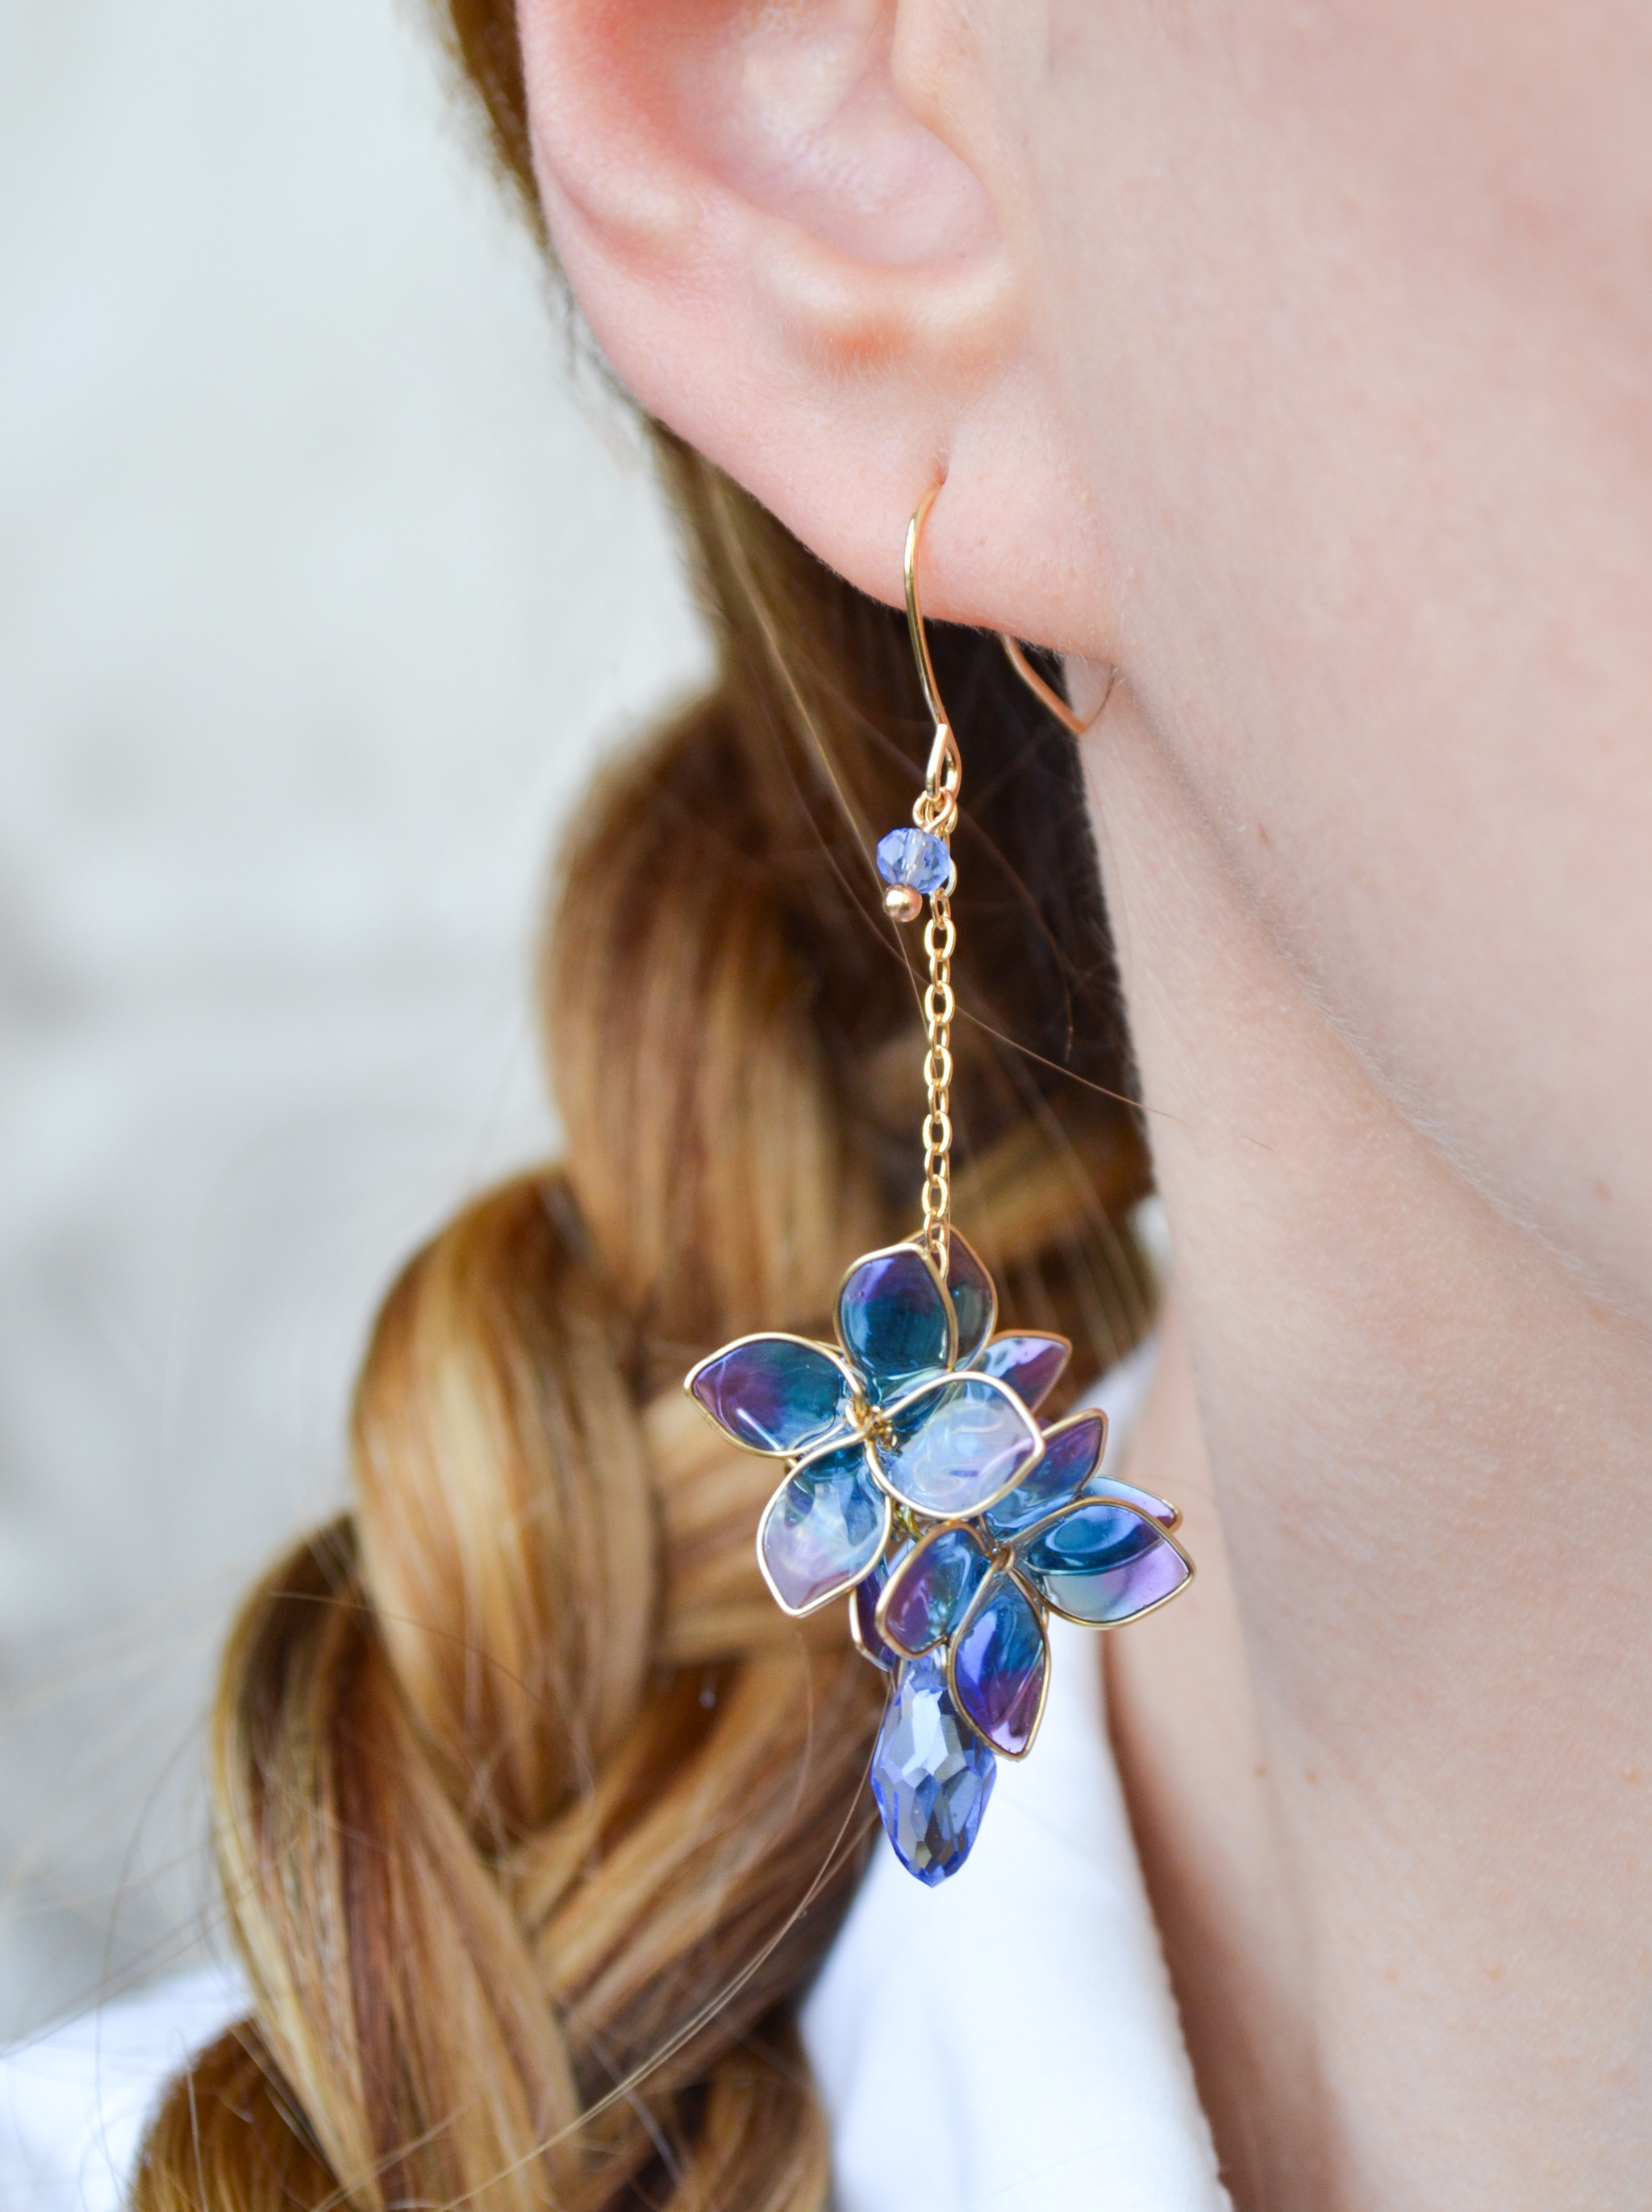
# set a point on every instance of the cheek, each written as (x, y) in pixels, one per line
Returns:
(1353, 313)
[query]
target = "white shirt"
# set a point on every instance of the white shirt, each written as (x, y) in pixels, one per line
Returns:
(1005, 2042)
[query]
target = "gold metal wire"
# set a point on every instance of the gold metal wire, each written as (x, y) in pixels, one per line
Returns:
(937, 811)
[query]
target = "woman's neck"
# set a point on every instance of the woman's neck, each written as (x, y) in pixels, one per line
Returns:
(1391, 1758)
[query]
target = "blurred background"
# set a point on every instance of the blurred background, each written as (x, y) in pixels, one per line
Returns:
(327, 576)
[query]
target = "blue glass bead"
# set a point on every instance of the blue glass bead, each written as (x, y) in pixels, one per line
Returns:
(930, 1774)
(1102, 1563)
(1031, 1364)
(999, 1665)
(1072, 1450)
(864, 1601)
(956, 1445)
(772, 1394)
(825, 1525)
(894, 1321)
(932, 1590)
(915, 857)
(974, 1300)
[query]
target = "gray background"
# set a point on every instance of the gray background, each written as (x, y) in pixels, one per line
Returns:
(324, 580)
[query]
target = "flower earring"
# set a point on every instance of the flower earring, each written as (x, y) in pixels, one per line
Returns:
(918, 1482)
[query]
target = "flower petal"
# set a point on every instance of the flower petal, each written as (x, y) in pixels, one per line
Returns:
(975, 1297)
(1072, 1452)
(895, 1321)
(1101, 1563)
(1029, 1362)
(955, 1446)
(772, 1394)
(999, 1665)
(823, 1529)
(926, 1595)
(1168, 1516)
(862, 1612)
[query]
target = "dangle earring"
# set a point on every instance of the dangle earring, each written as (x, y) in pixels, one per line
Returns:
(918, 1482)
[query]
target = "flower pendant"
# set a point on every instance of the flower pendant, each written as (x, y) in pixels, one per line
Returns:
(920, 1483)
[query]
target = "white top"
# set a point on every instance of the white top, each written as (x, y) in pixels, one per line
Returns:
(1005, 2043)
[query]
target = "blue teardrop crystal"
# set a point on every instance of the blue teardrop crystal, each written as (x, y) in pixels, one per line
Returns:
(827, 1524)
(956, 1446)
(932, 1590)
(1031, 1365)
(974, 1300)
(1072, 1450)
(998, 1666)
(772, 1394)
(894, 1321)
(913, 857)
(930, 1774)
(1102, 1563)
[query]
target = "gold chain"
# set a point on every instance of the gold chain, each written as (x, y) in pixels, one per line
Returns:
(940, 938)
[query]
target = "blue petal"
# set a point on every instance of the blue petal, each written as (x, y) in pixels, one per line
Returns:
(1101, 1563)
(1072, 1451)
(999, 1665)
(956, 1446)
(975, 1299)
(823, 1529)
(862, 1612)
(895, 1321)
(772, 1394)
(1156, 1509)
(1031, 1363)
(931, 1591)
(932, 1776)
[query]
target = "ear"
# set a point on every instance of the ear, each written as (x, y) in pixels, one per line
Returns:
(782, 221)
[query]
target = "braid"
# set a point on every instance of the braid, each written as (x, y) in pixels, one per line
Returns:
(534, 1815)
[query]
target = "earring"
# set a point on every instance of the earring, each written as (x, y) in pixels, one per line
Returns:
(918, 1482)
(1046, 695)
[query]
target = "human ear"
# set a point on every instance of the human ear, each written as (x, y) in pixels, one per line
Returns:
(782, 221)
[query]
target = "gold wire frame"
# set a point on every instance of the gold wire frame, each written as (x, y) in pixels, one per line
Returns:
(931, 1385)
(1117, 1505)
(898, 1575)
(847, 1583)
(1036, 1607)
(770, 1336)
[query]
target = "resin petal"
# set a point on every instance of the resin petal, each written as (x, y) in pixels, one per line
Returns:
(1072, 1452)
(823, 1529)
(956, 1445)
(975, 1299)
(1101, 1563)
(1031, 1363)
(931, 1591)
(863, 1613)
(895, 1321)
(1000, 1666)
(772, 1394)
(1156, 1509)
(930, 1775)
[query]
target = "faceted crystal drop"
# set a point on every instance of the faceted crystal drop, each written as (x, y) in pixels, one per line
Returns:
(956, 1445)
(1072, 1450)
(826, 1525)
(974, 1301)
(772, 1394)
(1031, 1364)
(1102, 1563)
(998, 1666)
(930, 1774)
(915, 857)
(894, 1321)
(932, 1590)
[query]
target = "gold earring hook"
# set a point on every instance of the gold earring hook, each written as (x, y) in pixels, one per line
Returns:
(1046, 694)
(944, 773)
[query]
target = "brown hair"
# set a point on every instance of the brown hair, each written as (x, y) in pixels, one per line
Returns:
(534, 1815)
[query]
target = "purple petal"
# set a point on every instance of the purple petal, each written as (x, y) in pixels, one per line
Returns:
(895, 1321)
(1031, 1364)
(1101, 1563)
(1072, 1451)
(1000, 1663)
(974, 1300)
(930, 1591)
(823, 1529)
(772, 1394)
(956, 1446)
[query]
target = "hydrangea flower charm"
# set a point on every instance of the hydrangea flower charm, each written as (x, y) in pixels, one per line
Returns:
(919, 1483)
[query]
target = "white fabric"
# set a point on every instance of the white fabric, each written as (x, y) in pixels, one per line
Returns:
(1005, 2043)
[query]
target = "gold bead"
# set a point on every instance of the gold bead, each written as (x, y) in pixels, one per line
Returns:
(902, 903)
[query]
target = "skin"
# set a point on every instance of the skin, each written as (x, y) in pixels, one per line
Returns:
(1292, 357)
